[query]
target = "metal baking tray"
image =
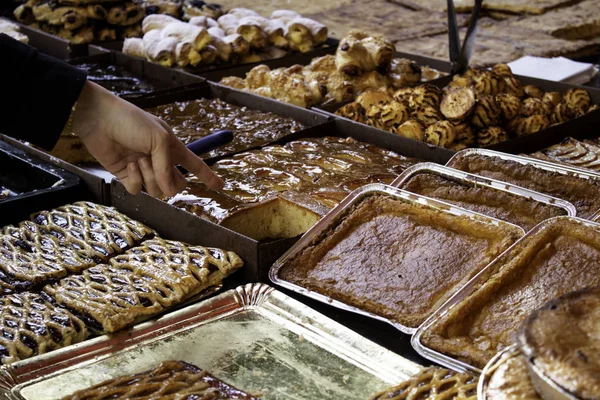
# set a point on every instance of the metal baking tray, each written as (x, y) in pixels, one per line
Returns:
(492, 366)
(541, 164)
(471, 287)
(29, 182)
(254, 338)
(476, 180)
(342, 209)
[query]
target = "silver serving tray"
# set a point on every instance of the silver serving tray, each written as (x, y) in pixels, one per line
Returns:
(541, 164)
(254, 338)
(476, 180)
(491, 367)
(338, 212)
(469, 288)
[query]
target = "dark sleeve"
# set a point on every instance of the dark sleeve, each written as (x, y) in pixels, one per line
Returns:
(38, 93)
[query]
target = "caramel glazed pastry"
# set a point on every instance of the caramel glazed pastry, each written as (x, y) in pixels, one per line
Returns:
(395, 259)
(433, 383)
(478, 109)
(569, 356)
(170, 380)
(361, 63)
(282, 191)
(191, 120)
(561, 257)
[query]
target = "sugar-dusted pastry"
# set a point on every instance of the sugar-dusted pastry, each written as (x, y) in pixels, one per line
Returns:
(170, 380)
(578, 100)
(158, 49)
(510, 105)
(411, 129)
(528, 125)
(30, 326)
(427, 115)
(573, 152)
(487, 113)
(491, 135)
(534, 106)
(458, 103)
(425, 95)
(187, 33)
(533, 91)
(433, 383)
(441, 133)
(142, 282)
(158, 22)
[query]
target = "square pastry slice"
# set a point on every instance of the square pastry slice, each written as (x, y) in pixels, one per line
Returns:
(30, 326)
(103, 230)
(142, 282)
(170, 380)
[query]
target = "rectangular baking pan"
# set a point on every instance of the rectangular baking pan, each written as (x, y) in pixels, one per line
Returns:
(470, 287)
(30, 182)
(541, 164)
(333, 218)
(253, 337)
(476, 180)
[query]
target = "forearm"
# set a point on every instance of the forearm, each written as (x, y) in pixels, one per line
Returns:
(39, 92)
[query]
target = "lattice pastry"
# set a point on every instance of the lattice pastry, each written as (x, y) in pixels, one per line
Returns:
(433, 384)
(31, 326)
(103, 230)
(142, 282)
(171, 380)
(30, 256)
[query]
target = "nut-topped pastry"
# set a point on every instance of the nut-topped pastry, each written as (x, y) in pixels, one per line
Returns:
(569, 355)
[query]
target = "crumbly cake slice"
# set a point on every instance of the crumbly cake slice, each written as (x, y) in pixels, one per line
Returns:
(433, 384)
(104, 231)
(170, 380)
(30, 326)
(142, 282)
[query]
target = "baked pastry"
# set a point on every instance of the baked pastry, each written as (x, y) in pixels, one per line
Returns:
(510, 380)
(191, 120)
(490, 136)
(487, 320)
(397, 260)
(170, 380)
(103, 230)
(141, 283)
(572, 152)
(427, 116)
(411, 129)
(433, 383)
(534, 106)
(519, 210)
(569, 356)
(359, 53)
(488, 83)
(442, 134)
(533, 91)
(510, 105)
(425, 95)
(577, 100)
(487, 113)
(584, 194)
(281, 191)
(458, 103)
(31, 326)
(528, 125)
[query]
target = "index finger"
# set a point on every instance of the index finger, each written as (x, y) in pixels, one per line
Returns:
(196, 166)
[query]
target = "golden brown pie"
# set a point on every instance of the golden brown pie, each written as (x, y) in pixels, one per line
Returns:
(583, 193)
(433, 383)
(142, 282)
(519, 210)
(191, 120)
(281, 191)
(510, 380)
(170, 380)
(396, 259)
(561, 339)
(561, 257)
(572, 152)
(30, 326)
(103, 230)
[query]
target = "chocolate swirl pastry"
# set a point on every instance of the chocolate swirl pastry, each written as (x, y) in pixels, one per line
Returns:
(464, 134)
(441, 133)
(425, 96)
(491, 135)
(528, 125)
(117, 80)
(487, 113)
(30, 326)
(533, 91)
(427, 116)
(411, 129)
(510, 105)
(552, 99)
(170, 380)
(191, 120)
(561, 113)
(433, 383)
(513, 86)
(488, 83)
(502, 70)
(534, 106)
(578, 101)
(353, 111)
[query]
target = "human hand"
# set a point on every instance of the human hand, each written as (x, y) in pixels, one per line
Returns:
(135, 146)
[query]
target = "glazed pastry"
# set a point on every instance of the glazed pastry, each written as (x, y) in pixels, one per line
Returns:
(433, 383)
(170, 380)
(490, 136)
(411, 129)
(425, 96)
(141, 282)
(487, 113)
(529, 125)
(510, 105)
(32, 326)
(427, 116)
(457, 104)
(116, 79)
(441, 133)
(534, 106)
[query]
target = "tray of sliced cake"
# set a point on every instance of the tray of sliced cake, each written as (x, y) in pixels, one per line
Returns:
(558, 256)
(253, 338)
(392, 255)
(519, 206)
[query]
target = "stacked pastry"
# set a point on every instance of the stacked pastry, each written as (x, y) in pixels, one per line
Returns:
(83, 21)
(361, 63)
(98, 271)
(478, 109)
(240, 36)
(11, 29)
